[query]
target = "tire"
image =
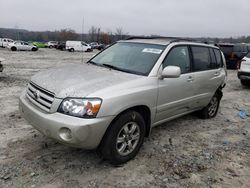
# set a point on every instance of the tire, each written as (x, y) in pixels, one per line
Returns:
(245, 83)
(13, 48)
(72, 50)
(50, 46)
(124, 138)
(34, 49)
(211, 109)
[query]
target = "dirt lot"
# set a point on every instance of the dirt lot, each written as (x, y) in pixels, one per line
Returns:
(187, 152)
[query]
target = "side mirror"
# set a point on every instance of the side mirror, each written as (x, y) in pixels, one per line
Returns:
(171, 72)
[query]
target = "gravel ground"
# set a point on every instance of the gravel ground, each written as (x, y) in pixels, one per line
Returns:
(186, 152)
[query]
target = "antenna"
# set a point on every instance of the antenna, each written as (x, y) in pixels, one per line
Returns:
(82, 34)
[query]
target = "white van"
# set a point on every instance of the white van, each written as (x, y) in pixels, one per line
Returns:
(77, 46)
(5, 41)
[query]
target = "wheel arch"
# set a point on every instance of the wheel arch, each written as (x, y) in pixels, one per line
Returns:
(141, 109)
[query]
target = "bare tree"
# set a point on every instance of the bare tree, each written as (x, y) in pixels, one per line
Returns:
(92, 33)
(119, 33)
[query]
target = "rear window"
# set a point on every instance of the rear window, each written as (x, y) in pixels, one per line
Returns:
(226, 49)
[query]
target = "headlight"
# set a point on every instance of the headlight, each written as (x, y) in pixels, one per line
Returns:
(84, 108)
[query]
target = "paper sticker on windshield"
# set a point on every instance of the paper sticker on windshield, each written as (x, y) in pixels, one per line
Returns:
(152, 50)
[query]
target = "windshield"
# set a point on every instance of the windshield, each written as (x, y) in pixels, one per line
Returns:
(136, 58)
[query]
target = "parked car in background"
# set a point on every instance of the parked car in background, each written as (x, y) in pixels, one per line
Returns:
(95, 45)
(39, 44)
(61, 46)
(244, 70)
(51, 44)
(77, 46)
(1, 65)
(5, 41)
(233, 53)
(21, 46)
(114, 100)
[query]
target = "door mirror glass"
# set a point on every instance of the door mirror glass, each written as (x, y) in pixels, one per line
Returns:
(171, 72)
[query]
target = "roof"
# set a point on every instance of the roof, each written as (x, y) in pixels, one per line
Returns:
(164, 41)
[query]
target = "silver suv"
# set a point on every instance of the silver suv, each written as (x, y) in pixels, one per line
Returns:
(111, 102)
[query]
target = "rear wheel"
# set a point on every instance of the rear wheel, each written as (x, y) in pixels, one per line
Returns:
(34, 49)
(72, 50)
(124, 139)
(211, 109)
(13, 48)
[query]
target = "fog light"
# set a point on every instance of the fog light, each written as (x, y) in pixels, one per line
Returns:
(65, 134)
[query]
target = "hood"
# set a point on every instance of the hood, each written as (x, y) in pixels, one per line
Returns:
(79, 80)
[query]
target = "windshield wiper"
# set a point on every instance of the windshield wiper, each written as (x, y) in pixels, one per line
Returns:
(120, 69)
(92, 62)
(112, 66)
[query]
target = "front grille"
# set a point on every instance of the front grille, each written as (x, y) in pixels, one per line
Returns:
(40, 97)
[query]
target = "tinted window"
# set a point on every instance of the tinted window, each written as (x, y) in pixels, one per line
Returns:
(213, 63)
(227, 50)
(240, 48)
(218, 57)
(201, 58)
(248, 55)
(178, 56)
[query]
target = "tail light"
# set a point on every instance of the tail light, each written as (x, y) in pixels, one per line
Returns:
(239, 63)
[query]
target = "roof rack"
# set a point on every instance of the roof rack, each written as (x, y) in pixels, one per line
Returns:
(171, 39)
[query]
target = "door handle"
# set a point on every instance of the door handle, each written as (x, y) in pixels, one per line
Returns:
(216, 74)
(190, 79)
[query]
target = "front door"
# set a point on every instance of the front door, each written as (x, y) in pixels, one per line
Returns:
(176, 94)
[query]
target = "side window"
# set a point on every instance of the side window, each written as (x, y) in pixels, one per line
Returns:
(201, 58)
(178, 56)
(218, 58)
(213, 63)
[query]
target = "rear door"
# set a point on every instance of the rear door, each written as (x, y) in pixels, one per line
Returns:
(175, 95)
(209, 74)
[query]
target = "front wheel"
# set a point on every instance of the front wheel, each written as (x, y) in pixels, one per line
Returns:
(124, 138)
(211, 109)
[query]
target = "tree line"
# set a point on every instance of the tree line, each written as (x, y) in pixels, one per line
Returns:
(95, 34)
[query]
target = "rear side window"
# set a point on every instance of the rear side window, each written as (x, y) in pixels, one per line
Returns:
(218, 58)
(178, 56)
(213, 63)
(201, 58)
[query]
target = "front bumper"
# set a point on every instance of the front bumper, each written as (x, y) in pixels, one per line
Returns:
(243, 75)
(86, 133)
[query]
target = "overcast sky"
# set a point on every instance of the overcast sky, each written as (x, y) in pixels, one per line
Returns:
(186, 18)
